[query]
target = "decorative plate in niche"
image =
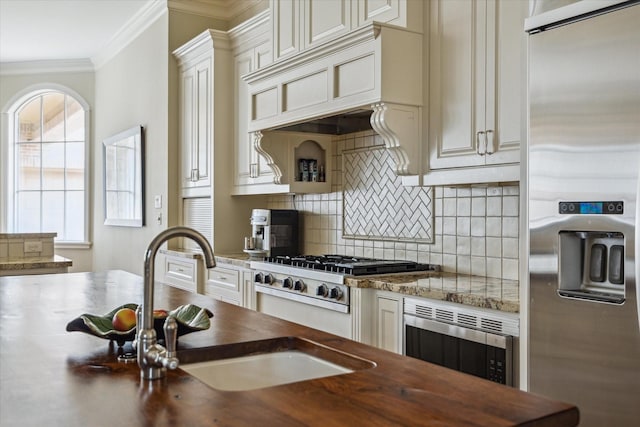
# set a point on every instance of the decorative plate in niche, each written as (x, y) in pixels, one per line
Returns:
(376, 204)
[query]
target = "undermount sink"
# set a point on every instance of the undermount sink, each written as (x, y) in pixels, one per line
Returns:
(266, 363)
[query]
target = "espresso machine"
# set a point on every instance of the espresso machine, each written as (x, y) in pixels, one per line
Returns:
(274, 232)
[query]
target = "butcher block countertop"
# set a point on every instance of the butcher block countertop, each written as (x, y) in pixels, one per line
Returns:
(52, 377)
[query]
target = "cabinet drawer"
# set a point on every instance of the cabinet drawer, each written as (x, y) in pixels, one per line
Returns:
(223, 279)
(185, 273)
(180, 270)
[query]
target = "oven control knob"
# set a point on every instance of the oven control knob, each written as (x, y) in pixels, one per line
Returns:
(336, 293)
(299, 286)
(258, 278)
(322, 291)
(287, 283)
(267, 279)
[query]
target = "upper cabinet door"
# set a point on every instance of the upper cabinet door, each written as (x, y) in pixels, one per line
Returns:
(286, 27)
(203, 138)
(324, 20)
(196, 102)
(382, 11)
(251, 167)
(243, 64)
(506, 89)
(456, 88)
(476, 84)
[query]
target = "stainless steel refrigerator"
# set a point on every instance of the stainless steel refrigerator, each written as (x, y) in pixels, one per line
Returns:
(583, 188)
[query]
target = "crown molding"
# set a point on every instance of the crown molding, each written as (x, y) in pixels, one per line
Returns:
(46, 66)
(219, 9)
(132, 29)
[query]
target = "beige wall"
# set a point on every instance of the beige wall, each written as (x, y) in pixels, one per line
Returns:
(131, 89)
(15, 86)
(140, 86)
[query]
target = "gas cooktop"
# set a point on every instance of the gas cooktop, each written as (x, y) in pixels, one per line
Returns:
(355, 266)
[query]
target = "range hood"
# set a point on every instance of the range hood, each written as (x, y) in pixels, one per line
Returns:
(370, 78)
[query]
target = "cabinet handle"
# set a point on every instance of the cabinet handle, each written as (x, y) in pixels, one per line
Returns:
(194, 175)
(479, 145)
(253, 170)
(488, 142)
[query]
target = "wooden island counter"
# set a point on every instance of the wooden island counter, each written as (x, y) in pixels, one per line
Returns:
(52, 377)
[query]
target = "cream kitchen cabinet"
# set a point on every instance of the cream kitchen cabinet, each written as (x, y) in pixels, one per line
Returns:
(232, 284)
(206, 128)
(224, 284)
(182, 269)
(476, 91)
(389, 321)
(249, 291)
(300, 25)
(251, 43)
(196, 116)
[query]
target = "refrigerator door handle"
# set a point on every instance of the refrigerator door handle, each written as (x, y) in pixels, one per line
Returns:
(637, 249)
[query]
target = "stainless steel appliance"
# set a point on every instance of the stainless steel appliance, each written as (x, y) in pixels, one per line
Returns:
(275, 232)
(476, 341)
(311, 290)
(583, 186)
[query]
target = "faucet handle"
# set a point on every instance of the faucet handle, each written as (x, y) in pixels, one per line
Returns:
(134, 344)
(170, 328)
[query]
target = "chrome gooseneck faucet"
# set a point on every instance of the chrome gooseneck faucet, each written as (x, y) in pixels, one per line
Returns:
(154, 359)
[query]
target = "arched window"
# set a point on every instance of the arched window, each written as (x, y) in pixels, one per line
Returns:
(48, 180)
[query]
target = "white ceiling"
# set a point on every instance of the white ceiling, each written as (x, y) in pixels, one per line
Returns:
(38, 30)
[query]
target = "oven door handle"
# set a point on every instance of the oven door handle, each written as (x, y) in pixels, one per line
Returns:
(330, 305)
(494, 340)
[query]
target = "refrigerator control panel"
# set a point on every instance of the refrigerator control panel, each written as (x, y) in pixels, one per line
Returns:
(591, 208)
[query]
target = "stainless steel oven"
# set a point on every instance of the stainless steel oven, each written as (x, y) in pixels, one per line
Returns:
(311, 290)
(476, 341)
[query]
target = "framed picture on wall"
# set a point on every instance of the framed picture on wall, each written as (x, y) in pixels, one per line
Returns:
(123, 156)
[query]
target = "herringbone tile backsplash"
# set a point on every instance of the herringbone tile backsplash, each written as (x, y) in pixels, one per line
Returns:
(377, 205)
(470, 231)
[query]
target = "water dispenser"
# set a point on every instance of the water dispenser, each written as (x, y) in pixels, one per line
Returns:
(591, 266)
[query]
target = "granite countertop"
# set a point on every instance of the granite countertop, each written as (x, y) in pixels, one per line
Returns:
(55, 261)
(237, 259)
(477, 291)
(27, 235)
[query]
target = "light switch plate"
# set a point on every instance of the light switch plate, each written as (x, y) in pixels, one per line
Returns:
(157, 202)
(33, 246)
